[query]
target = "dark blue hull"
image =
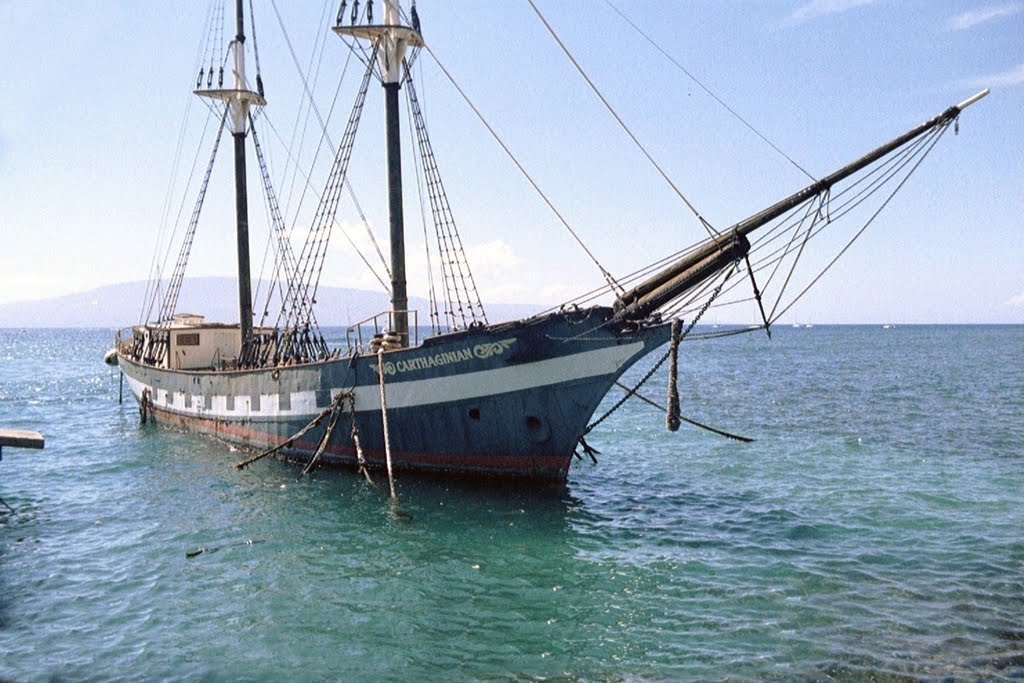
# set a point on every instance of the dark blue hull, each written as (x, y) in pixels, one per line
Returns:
(510, 399)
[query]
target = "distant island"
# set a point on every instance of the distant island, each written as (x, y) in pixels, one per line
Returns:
(216, 298)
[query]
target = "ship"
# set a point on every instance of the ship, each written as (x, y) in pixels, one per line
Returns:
(460, 396)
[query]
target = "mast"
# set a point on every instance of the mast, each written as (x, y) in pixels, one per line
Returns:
(239, 116)
(393, 38)
(239, 100)
(392, 54)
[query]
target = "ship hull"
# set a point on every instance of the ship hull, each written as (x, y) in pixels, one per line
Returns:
(504, 400)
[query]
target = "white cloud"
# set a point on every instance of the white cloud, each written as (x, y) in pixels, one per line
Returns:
(962, 22)
(493, 255)
(821, 8)
(1016, 301)
(1011, 77)
(501, 274)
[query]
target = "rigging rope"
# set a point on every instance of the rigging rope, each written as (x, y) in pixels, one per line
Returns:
(156, 268)
(703, 87)
(255, 50)
(785, 238)
(707, 226)
(309, 185)
(435, 318)
(306, 107)
(369, 62)
(284, 261)
(314, 251)
(171, 298)
(852, 196)
(458, 279)
(607, 276)
(871, 220)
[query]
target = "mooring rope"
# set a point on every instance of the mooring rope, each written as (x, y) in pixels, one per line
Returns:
(704, 223)
(384, 419)
(360, 456)
(295, 437)
(336, 409)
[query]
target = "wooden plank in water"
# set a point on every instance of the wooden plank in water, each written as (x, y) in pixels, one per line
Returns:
(20, 438)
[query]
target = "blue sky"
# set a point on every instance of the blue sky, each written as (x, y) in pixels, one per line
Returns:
(94, 95)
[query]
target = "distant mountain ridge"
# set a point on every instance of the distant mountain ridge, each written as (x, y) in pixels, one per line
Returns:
(216, 298)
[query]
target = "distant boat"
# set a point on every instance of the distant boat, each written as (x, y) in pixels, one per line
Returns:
(513, 399)
(888, 327)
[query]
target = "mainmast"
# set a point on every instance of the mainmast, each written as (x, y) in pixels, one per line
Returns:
(239, 100)
(391, 38)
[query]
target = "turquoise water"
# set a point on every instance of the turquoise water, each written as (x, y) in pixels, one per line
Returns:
(875, 530)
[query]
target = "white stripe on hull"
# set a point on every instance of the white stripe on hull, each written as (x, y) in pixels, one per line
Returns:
(411, 393)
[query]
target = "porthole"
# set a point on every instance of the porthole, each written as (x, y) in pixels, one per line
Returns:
(537, 429)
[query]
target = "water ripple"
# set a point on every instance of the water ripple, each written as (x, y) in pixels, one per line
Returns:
(872, 532)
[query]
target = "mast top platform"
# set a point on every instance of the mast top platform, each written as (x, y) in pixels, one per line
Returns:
(392, 37)
(233, 95)
(370, 33)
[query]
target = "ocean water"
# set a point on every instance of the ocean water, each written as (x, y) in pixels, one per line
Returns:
(873, 531)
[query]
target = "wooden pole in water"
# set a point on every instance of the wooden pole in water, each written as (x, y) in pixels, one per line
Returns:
(384, 419)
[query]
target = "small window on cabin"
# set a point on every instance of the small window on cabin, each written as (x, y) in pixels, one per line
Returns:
(189, 339)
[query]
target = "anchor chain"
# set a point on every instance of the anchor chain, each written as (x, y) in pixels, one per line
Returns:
(618, 404)
(673, 349)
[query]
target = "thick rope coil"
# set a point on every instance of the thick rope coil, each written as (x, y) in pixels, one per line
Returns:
(384, 419)
(672, 416)
(650, 373)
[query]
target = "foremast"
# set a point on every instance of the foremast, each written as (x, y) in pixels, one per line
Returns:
(240, 100)
(391, 38)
